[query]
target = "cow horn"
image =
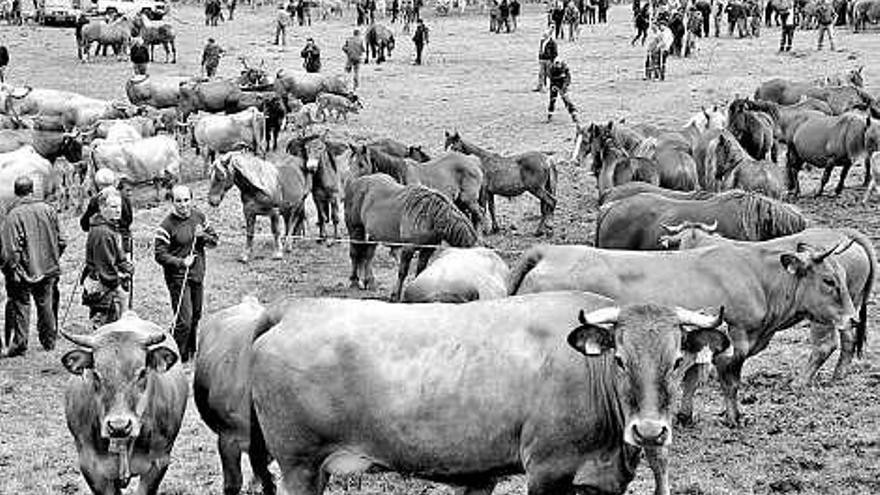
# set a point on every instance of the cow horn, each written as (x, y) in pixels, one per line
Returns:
(154, 338)
(699, 320)
(709, 228)
(818, 258)
(674, 229)
(602, 316)
(80, 340)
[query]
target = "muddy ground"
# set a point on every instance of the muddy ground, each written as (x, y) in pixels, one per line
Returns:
(818, 440)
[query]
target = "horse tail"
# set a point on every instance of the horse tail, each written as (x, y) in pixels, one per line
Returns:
(529, 260)
(871, 254)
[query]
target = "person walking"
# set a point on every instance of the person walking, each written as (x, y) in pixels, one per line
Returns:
(420, 38)
(558, 15)
(282, 20)
(140, 56)
(4, 61)
(311, 55)
(105, 178)
(787, 18)
(643, 22)
(211, 57)
(503, 16)
(179, 247)
(826, 16)
(107, 275)
(354, 52)
(560, 80)
(32, 245)
(573, 19)
(514, 12)
(231, 7)
(395, 10)
(547, 53)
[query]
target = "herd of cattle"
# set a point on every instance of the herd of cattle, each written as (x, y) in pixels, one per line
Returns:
(564, 366)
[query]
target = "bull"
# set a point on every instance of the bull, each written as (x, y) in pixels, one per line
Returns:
(764, 290)
(214, 134)
(222, 390)
(155, 91)
(465, 394)
(125, 405)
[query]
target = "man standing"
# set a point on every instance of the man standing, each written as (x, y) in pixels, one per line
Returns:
(514, 12)
(282, 20)
(81, 20)
(560, 80)
(311, 55)
(395, 10)
(179, 246)
(211, 57)
(546, 55)
(139, 55)
(32, 247)
(354, 50)
(105, 178)
(786, 16)
(108, 269)
(420, 38)
(4, 61)
(825, 15)
(503, 16)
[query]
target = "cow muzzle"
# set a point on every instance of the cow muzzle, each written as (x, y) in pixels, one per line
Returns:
(312, 164)
(648, 433)
(119, 427)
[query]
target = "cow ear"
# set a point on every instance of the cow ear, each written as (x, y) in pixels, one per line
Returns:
(78, 360)
(161, 358)
(704, 343)
(591, 340)
(793, 263)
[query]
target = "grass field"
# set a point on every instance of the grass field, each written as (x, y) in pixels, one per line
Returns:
(818, 440)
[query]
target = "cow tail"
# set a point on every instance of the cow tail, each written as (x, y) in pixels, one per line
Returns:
(862, 324)
(524, 265)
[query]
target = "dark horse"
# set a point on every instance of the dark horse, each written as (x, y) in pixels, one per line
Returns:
(276, 191)
(321, 165)
(613, 166)
(753, 129)
(637, 222)
(735, 169)
(379, 209)
(511, 176)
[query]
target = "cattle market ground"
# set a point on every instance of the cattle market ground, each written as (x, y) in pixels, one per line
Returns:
(817, 440)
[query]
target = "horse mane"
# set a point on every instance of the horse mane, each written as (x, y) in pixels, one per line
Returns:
(428, 210)
(762, 218)
(259, 173)
(734, 153)
(388, 164)
(769, 107)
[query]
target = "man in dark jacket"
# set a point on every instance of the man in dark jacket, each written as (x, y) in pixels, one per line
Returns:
(826, 16)
(560, 80)
(105, 178)
(108, 270)
(32, 245)
(546, 55)
(420, 38)
(179, 247)
(354, 52)
(81, 20)
(140, 55)
(503, 16)
(514, 12)
(211, 57)
(311, 55)
(4, 61)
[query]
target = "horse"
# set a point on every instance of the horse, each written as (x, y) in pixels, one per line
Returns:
(276, 191)
(613, 167)
(875, 172)
(637, 222)
(840, 98)
(859, 264)
(116, 33)
(456, 175)
(460, 275)
(754, 130)
(702, 122)
(378, 209)
(828, 141)
(511, 176)
(735, 169)
(324, 172)
(396, 148)
(632, 188)
(155, 33)
(377, 40)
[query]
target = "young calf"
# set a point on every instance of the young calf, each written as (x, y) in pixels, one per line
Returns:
(340, 106)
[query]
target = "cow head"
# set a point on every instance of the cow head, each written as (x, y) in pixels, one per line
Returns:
(652, 347)
(121, 362)
(72, 146)
(222, 178)
(820, 288)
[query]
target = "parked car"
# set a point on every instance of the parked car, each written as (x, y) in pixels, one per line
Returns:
(58, 12)
(153, 9)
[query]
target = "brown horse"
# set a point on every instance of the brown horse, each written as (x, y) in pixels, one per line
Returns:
(378, 209)
(631, 189)
(511, 176)
(830, 141)
(456, 175)
(323, 171)
(613, 166)
(840, 98)
(396, 148)
(735, 169)
(754, 130)
(637, 222)
(277, 191)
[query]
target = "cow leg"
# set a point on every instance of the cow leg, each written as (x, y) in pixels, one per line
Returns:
(406, 255)
(230, 459)
(275, 219)
(478, 489)
(847, 351)
(847, 164)
(150, 481)
(823, 342)
(260, 459)
(729, 374)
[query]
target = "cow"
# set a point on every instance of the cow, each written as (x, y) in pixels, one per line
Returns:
(460, 275)
(50, 145)
(209, 96)
(153, 160)
(306, 86)
(465, 394)
(19, 101)
(214, 134)
(764, 290)
(142, 127)
(155, 91)
(125, 405)
(222, 390)
(84, 114)
(859, 263)
(377, 40)
(26, 161)
(272, 107)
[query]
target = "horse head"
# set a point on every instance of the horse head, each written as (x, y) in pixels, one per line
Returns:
(222, 178)
(417, 153)
(361, 162)
(453, 141)
(855, 78)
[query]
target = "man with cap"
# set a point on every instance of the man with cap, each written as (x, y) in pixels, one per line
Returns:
(311, 55)
(560, 80)
(179, 246)
(32, 245)
(106, 178)
(547, 53)
(139, 55)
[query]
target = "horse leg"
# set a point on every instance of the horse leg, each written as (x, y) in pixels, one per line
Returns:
(320, 206)
(847, 164)
(490, 201)
(334, 215)
(275, 218)
(367, 276)
(356, 254)
(406, 255)
(792, 169)
(826, 175)
(173, 52)
(250, 220)
(424, 257)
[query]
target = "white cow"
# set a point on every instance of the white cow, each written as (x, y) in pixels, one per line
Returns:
(26, 161)
(221, 133)
(153, 160)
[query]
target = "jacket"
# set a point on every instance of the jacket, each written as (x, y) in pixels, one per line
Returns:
(32, 242)
(312, 56)
(354, 49)
(547, 50)
(124, 224)
(173, 241)
(211, 55)
(421, 35)
(105, 259)
(559, 75)
(139, 54)
(825, 14)
(4, 56)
